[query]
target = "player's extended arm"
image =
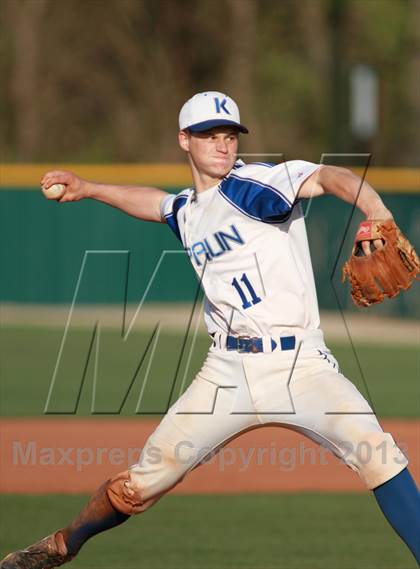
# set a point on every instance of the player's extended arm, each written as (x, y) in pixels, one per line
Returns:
(139, 201)
(346, 185)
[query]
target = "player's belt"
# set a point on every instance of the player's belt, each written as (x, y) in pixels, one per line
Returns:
(247, 344)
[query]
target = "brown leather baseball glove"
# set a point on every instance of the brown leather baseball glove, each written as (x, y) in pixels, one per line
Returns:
(386, 270)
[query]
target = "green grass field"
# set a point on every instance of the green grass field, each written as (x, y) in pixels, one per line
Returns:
(305, 531)
(390, 374)
(292, 531)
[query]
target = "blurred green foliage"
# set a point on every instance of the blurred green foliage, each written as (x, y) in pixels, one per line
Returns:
(104, 80)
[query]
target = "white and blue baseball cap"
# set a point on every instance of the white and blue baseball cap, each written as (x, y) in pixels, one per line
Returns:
(208, 110)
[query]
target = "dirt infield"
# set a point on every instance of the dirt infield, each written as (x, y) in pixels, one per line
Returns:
(72, 456)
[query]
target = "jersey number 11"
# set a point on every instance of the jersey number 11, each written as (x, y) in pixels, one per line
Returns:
(254, 298)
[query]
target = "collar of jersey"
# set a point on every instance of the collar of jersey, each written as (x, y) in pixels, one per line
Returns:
(202, 195)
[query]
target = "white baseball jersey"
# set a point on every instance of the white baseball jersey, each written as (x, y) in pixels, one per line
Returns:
(247, 242)
(246, 239)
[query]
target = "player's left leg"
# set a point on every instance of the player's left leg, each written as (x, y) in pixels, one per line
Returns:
(399, 500)
(310, 395)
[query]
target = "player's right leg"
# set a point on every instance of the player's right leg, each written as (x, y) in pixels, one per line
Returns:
(201, 420)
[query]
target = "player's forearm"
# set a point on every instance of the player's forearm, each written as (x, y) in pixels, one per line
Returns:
(346, 185)
(139, 201)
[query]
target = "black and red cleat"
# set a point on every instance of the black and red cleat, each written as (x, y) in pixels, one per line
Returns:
(45, 554)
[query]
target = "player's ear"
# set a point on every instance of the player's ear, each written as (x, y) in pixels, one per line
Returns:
(184, 140)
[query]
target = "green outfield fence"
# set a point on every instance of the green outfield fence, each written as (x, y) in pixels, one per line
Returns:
(43, 243)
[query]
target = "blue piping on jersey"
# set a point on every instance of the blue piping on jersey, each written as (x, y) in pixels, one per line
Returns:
(171, 218)
(237, 207)
(238, 164)
(262, 185)
(255, 200)
(266, 164)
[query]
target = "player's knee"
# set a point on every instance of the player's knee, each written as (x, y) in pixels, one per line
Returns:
(127, 495)
(377, 459)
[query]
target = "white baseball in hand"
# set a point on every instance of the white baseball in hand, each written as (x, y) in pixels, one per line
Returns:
(54, 192)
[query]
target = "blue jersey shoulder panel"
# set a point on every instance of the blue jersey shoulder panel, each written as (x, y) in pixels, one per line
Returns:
(256, 199)
(172, 217)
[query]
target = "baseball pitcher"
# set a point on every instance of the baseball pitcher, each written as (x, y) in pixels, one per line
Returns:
(243, 228)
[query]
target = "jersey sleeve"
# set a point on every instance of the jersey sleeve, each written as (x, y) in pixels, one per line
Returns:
(297, 171)
(166, 206)
(267, 192)
(170, 206)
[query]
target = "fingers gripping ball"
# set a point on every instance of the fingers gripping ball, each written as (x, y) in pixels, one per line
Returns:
(385, 271)
(54, 192)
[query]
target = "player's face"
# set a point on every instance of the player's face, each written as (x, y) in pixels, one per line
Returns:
(213, 152)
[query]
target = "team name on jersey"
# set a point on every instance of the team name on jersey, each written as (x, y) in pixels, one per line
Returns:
(217, 244)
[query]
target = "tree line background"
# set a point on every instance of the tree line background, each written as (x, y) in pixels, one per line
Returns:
(103, 80)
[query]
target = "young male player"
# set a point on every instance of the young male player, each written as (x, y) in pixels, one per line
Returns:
(244, 231)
